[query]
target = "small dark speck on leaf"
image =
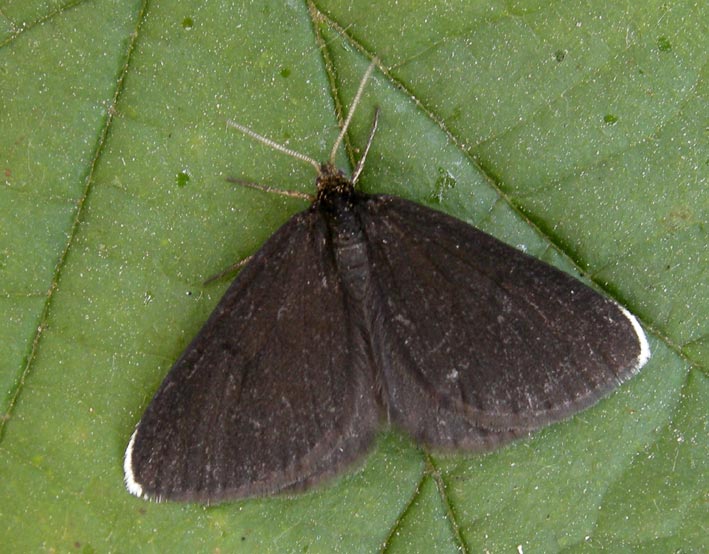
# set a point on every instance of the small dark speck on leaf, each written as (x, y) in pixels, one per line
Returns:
(183, 177)
(187, 23)
(285, 72)
(610, 119)
(559, 55)
(664, 44)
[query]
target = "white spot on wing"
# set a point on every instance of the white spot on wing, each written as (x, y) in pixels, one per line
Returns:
(128, 476)
(644, 355)
(452, 375)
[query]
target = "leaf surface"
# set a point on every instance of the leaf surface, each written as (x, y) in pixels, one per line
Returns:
(574, 131)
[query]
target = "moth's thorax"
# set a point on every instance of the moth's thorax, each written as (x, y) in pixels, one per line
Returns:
(337, 201)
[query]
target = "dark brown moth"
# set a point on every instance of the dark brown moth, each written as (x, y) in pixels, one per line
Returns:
(367, 308)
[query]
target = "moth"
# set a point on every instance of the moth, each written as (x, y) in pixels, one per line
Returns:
(364, 309)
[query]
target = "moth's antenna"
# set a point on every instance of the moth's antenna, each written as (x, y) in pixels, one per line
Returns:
(273, 144)
(360, 163)
(356, 100)
(284, 149)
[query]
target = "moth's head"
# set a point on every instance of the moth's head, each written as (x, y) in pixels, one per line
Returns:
(334, 187)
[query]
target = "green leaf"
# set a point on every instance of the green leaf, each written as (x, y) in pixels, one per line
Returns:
(573, 130)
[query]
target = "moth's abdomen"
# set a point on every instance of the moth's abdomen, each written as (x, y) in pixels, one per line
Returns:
(353, 268)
